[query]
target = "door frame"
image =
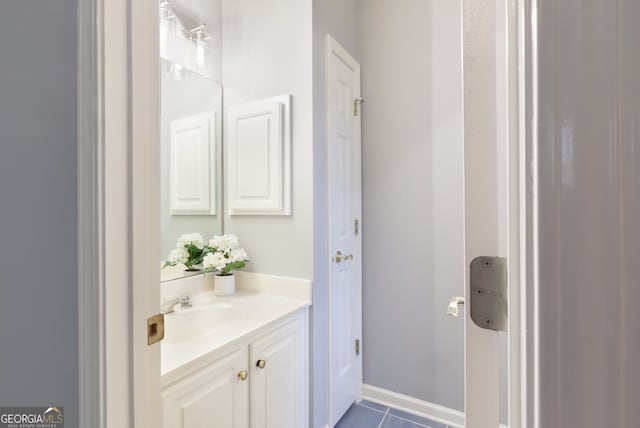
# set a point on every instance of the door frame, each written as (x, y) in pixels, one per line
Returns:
(333, 47)
(118, 212)
(522, 65)
(108, 77)
(521, 99)
(524, 70)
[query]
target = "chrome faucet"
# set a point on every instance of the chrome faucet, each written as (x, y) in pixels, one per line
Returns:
(167, 306)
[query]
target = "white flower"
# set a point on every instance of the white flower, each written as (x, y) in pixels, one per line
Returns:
(216, 261)
(225, 252)
(238, 255)
(179, 255)
(191, 239)
(224, 243)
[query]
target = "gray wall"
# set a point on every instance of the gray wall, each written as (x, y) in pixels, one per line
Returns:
(266, 52)
(38, 257)
(589, 212)
(338, 18)
(412, 195)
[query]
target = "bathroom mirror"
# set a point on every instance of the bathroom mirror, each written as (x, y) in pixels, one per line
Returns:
(191, 123)
(191, 158)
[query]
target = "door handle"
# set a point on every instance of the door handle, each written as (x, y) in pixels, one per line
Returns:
(454, 306)
(339, 257)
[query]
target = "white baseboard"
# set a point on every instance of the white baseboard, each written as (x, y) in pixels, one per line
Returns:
(435, 412)
(415, 406)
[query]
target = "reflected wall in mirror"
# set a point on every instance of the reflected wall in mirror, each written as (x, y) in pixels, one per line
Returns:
(191, 158)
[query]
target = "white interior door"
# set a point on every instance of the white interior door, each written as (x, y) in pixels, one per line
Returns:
(144, 207)
(344, 190)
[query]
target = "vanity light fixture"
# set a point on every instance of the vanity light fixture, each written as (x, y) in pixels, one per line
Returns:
(199, 37)
(168, 24)
(172, 37)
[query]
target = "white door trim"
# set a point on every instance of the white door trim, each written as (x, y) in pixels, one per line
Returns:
(517, 335)
(521, 100)
(517, 14)
(118, 212)
(103, 273)
(332, 46)
(90, 218)
(527, 119)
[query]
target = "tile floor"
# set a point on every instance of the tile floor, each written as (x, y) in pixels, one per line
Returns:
(371, 415)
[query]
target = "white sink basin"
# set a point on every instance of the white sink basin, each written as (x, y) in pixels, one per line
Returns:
(187, 324)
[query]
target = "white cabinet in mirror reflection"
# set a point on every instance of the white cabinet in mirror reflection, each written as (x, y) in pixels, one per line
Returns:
(259, 157)
(193, 165)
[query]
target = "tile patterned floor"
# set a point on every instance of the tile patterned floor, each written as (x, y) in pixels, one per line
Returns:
(372, 415)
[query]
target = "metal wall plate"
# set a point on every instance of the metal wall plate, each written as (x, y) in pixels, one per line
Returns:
(489, 296)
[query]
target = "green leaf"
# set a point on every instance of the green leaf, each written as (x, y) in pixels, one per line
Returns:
(233, 266)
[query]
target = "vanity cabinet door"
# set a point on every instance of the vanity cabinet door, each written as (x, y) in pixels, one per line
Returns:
(278, 378)
(214, 397)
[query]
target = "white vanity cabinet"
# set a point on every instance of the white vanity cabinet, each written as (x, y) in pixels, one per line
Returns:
(278, 381)
(214, 396)
(260, 382)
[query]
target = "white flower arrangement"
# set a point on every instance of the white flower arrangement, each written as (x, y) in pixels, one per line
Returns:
(194, 239)
(225, 255)
(190, 250)
(221, 254)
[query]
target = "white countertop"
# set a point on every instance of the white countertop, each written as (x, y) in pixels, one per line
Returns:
(257, 310)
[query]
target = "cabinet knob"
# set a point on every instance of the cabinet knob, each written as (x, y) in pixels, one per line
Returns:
(261, 363)
(243, 375)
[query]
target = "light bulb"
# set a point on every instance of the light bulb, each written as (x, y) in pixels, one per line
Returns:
(199, 37)
(201, 61)
(167, 25)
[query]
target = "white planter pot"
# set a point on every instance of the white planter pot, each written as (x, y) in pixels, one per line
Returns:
(208, 281)
(224, 285)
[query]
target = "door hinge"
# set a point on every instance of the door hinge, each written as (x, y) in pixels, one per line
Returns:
(155, 329)
(357, 347)
(356, 227)
(489, 283)
(356, 103)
